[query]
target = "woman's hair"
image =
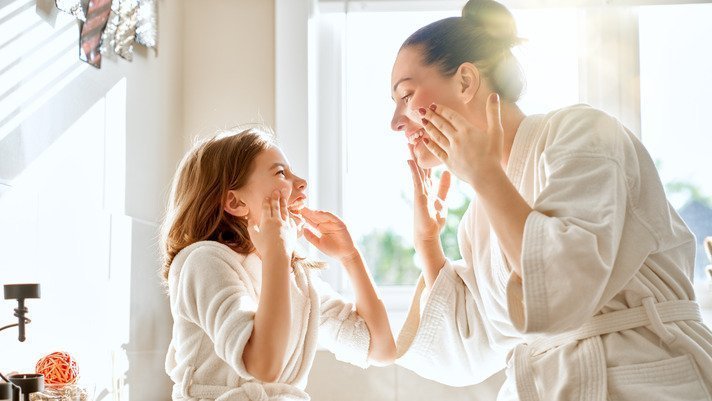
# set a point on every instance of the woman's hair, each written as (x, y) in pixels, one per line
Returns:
(484, 36)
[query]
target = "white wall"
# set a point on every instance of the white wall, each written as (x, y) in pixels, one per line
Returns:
(86, 156)
(228, 61)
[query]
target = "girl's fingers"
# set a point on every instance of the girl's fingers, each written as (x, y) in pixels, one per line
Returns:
(317, 215)
(494, 117)
(444, 186)
(311, 237)
(274, 204)
(283, 212)
(266, 207)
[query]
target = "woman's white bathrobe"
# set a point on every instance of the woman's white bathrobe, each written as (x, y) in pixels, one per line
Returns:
(214, 293)
(602, 241)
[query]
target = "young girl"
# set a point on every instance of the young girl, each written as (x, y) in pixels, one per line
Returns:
(246, 310)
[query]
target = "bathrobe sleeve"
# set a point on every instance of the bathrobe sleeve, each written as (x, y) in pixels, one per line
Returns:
(341, 330)
(446, 336)
(572, 237)
(212, 295)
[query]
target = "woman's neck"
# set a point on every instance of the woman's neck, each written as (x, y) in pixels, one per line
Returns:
(512, 117)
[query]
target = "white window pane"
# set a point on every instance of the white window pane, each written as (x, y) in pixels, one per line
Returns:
(675, 82)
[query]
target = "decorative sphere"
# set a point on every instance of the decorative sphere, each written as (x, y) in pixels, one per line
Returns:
(58, 368)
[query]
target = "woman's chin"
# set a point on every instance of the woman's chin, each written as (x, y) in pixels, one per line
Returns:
(424, 158)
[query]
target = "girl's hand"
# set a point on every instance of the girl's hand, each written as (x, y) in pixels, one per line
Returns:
(470, 153)
(334, 239)
(276, 232)
(430, 211)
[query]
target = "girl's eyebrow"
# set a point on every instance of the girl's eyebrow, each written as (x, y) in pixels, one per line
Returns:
(277, 165)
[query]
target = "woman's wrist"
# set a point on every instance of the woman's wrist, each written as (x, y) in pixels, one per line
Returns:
(484, 176)
(431, 252)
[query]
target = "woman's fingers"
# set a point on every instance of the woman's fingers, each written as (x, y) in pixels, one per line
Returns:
(449, 119)
(417, 179)
(494, 117)
(435, 134)
(433, 121)
(436, 150)
(444, 186)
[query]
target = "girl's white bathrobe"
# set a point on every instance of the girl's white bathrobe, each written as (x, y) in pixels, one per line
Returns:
(604, 309)
(214, 293)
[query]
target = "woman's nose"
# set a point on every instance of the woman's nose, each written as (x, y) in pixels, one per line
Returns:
(398, 121)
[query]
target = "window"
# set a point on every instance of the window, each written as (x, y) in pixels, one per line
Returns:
(675, 85)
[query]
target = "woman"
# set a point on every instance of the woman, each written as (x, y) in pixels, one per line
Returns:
(576, 271)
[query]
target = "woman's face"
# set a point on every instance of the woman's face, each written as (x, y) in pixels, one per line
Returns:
(271, 172)
(413, 86)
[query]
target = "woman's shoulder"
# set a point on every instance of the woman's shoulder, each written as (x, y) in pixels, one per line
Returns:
(582, 130)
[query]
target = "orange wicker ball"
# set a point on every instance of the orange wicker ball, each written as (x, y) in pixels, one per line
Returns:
(58, 368)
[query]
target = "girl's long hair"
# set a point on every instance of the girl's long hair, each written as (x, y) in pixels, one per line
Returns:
(205, 175)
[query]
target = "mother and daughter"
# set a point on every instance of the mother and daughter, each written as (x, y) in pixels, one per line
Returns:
(575, 277)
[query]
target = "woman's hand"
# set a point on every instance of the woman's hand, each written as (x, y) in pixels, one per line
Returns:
(334, 239)
(430, 214)
(430, 211)
(276, 232)
(469, 152)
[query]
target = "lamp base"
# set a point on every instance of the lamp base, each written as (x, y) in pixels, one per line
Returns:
(28, 383)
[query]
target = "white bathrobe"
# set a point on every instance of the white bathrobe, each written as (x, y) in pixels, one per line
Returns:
(602, 241)
(214, 293)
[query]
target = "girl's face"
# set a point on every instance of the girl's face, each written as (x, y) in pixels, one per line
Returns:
(270, 172)
(413, 86)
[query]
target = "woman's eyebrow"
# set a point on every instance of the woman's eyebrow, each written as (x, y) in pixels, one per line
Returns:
(399, 82)
(275, 165)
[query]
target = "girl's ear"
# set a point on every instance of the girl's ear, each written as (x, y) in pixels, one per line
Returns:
(235, 206)
(469, 77)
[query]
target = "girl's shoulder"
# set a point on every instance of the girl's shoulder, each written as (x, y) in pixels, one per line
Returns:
(201, 252)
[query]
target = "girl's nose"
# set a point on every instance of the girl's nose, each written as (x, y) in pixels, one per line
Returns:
(301, 184)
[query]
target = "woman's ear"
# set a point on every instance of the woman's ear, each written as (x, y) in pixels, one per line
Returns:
(469, 77)
(235, 206)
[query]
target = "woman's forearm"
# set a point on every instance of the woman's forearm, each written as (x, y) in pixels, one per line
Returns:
(507, 212)
(266, 349)
(433, 257)
(382, 349)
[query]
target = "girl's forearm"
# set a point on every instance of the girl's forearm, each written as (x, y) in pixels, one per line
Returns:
(266, 349)
(382, 349)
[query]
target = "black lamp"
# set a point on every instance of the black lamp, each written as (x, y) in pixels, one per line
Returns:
(26, 384)
(19, 387)
(20, 292)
